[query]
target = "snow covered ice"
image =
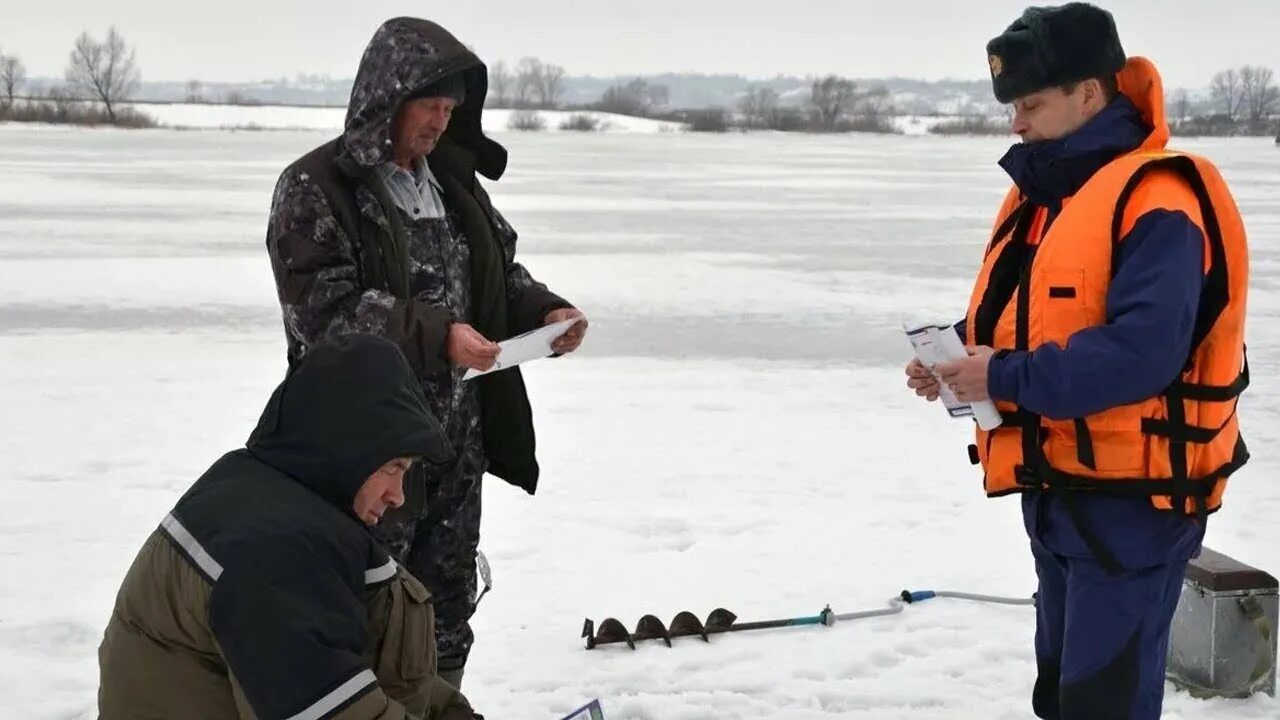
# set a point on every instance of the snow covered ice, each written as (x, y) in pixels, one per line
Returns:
(218, 116)
(735, 432)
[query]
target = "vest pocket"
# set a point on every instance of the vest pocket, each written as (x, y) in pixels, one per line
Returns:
(408, 649)
(418, 648)
(1062, 304)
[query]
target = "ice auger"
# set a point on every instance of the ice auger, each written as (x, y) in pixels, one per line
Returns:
(686, 624)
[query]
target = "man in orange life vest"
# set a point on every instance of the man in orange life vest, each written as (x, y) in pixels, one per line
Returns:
(1107, 322)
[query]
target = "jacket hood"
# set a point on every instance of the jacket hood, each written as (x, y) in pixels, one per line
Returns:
(404, 56)
(1140, 82)
(346, 408)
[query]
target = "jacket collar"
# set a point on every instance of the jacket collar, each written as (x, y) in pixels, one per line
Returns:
(1049, 171)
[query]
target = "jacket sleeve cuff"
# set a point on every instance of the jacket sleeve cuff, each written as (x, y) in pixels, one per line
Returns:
(422, 332)
(552, 306)
(530, 308)
(1002, 374)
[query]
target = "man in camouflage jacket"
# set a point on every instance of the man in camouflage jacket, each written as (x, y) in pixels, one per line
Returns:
(386, 230)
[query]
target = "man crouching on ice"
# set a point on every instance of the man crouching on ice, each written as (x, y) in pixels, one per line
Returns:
(263, 593)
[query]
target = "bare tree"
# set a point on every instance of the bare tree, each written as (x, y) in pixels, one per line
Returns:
(528, 80)
(551, 86)
(236, 97)
(656, 96)
(1258, 95)
(63, 102)
(1181, 106)
(829, 99)
(194, 94)
(1227, 92)
(760, 108)
(500, 80)
(104, 71)
(637, 98)
(875, 103)
(12, 75)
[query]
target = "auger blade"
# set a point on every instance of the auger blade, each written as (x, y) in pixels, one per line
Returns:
(611, 631)
(685, 624)
(720, 620)
(651, 628)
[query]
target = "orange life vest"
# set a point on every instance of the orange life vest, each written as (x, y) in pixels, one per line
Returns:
(1039, 287)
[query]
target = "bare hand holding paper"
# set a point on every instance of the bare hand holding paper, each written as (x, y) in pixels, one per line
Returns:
(532, 345)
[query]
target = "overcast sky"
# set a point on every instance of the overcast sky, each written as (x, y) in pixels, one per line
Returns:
(932, 39)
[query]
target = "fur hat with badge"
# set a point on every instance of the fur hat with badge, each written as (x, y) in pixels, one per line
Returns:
(1054, 46)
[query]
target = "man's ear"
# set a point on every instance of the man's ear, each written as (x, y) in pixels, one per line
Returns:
(1094, 94)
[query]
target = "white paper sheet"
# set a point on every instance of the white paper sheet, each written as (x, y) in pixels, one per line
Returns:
(532, 345)
(934, 344)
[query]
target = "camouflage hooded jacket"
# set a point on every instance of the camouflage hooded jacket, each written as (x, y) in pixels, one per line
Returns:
(339, 249)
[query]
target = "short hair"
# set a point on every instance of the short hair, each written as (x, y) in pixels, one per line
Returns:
(1110, 87)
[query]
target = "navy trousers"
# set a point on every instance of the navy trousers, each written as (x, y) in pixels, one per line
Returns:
(1102, 639)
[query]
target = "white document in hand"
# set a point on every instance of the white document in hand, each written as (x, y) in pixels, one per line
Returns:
(532, 345)
(937, 344)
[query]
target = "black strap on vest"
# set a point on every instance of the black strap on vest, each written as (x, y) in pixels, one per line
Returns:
(1084, 445)
(1005, 273)
(1218, 393)
(1009, 223)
